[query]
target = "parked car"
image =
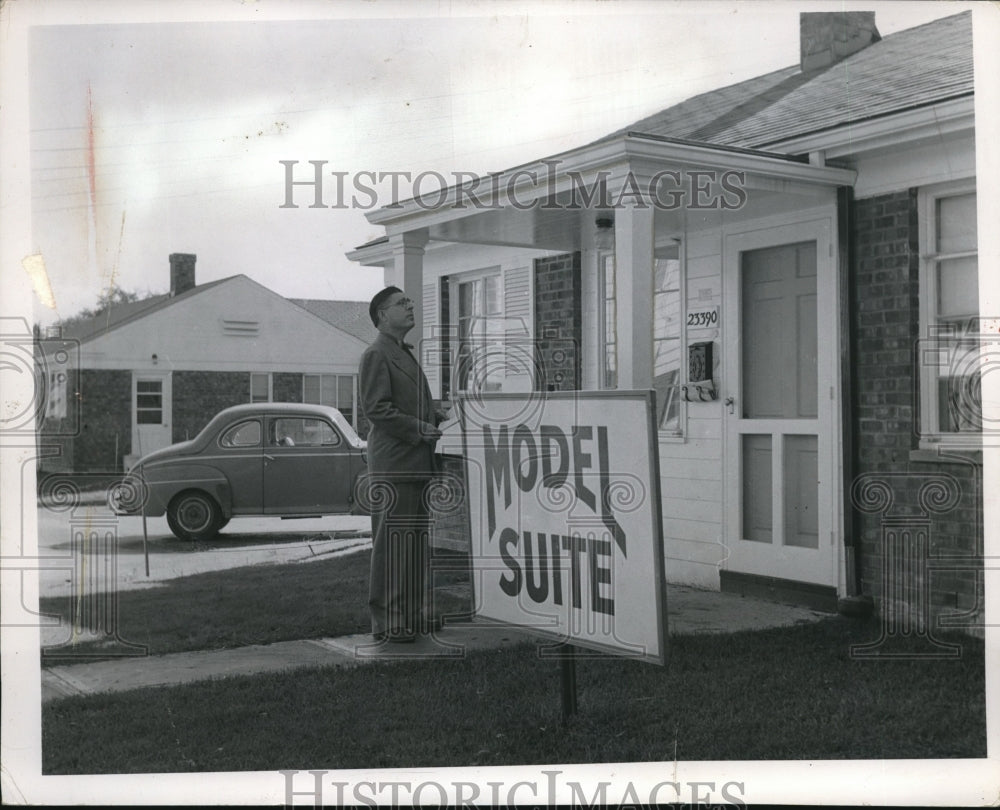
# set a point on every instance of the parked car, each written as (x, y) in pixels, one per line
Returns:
(269, 458)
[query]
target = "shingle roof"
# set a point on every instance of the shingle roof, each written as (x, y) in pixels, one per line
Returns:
(913, 68)
(351, 316)
(119, 314)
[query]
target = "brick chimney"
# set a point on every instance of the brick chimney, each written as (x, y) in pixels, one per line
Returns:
(181, 272)
(826, 37)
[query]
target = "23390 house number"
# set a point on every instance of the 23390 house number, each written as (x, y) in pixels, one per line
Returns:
(706, 317)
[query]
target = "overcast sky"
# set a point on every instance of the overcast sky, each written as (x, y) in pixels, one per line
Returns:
(149, 138)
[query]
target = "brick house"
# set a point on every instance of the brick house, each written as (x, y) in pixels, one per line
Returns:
(811, 235)
(146, 374)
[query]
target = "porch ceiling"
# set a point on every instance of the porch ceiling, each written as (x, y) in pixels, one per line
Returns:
(539, 228)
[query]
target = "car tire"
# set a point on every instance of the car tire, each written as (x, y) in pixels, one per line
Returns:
(194, 515)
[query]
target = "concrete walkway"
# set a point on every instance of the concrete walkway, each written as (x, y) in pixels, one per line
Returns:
(689, 611)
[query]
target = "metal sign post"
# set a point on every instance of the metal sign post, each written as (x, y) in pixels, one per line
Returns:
(568, 672)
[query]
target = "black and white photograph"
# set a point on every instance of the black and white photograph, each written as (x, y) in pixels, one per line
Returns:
(581, 402)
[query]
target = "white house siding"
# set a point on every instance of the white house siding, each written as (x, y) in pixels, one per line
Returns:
(235, 326)
(691, 468)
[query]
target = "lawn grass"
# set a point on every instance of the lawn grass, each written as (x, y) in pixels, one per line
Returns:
(238, 607)
(786, 693)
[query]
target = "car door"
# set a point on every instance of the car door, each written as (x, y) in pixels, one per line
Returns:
(238, 456)
(307, 467)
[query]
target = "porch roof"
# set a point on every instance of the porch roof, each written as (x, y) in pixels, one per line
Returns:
(763, 126)
(632, 154)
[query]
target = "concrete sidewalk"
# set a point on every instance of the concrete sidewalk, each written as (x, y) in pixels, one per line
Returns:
(689, 610)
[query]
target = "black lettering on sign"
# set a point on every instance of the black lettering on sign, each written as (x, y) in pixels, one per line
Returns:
(541, 577)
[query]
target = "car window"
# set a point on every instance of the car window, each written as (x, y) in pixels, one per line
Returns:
(298, 431)
(245, 434)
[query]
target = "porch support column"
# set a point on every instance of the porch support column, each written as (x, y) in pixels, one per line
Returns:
(634, 294)
(407, 273)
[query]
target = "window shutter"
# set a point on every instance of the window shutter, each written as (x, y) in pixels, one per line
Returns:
(519, 329)
(430, 344)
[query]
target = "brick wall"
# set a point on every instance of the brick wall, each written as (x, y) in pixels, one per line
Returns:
(105, 435)
(558, 330)
(444, 316)
(200, 395)
(286, 387)
(897, 493)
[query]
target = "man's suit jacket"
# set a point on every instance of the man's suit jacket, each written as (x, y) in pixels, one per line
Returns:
(396, 400)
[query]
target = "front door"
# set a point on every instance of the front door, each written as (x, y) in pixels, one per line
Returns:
(151, 412)
(779, 406)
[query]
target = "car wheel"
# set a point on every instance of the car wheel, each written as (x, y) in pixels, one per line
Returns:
(194, 515)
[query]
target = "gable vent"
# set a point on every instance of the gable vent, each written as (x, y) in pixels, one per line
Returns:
(240, 328)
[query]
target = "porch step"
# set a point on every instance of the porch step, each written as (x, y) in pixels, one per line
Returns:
(786, 591)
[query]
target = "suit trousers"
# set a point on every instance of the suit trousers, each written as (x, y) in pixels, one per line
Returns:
(397, 591)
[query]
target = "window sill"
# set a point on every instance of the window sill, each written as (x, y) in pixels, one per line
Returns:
(943, 454)
(669, 437)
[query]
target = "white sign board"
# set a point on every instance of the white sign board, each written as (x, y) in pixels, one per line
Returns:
(564, 508)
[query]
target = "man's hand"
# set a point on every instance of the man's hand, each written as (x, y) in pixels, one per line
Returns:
(442, 413)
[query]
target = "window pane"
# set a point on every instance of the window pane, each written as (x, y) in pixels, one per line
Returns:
(956, 224)
(148, 386)
(666, 342)
(345, 392)
(466, 300)
(480, 332)
(259, 388)
(958, 287)
(150, 417)
(609, 327)
(492, 296)
(303, 432)
(246, 434)
(328, 392)
(960, 404)
(310, 389)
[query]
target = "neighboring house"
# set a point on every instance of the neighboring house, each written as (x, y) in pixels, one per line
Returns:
(146, 374)
(811, 251)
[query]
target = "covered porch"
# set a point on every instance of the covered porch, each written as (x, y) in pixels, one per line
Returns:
(715, 276)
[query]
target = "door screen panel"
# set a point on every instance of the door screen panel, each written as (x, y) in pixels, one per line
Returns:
(758, 520)
(801, 491)
(779, 332)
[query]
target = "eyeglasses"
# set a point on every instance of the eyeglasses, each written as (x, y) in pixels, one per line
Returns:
(402, 302)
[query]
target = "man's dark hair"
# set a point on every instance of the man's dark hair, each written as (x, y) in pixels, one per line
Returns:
(380, 298)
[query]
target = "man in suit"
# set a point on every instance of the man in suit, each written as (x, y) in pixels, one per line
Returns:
(397, 403)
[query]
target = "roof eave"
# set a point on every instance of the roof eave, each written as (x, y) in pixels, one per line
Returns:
(617, 156)
(934, 120)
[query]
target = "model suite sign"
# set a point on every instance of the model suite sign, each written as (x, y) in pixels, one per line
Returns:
(564, 509)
